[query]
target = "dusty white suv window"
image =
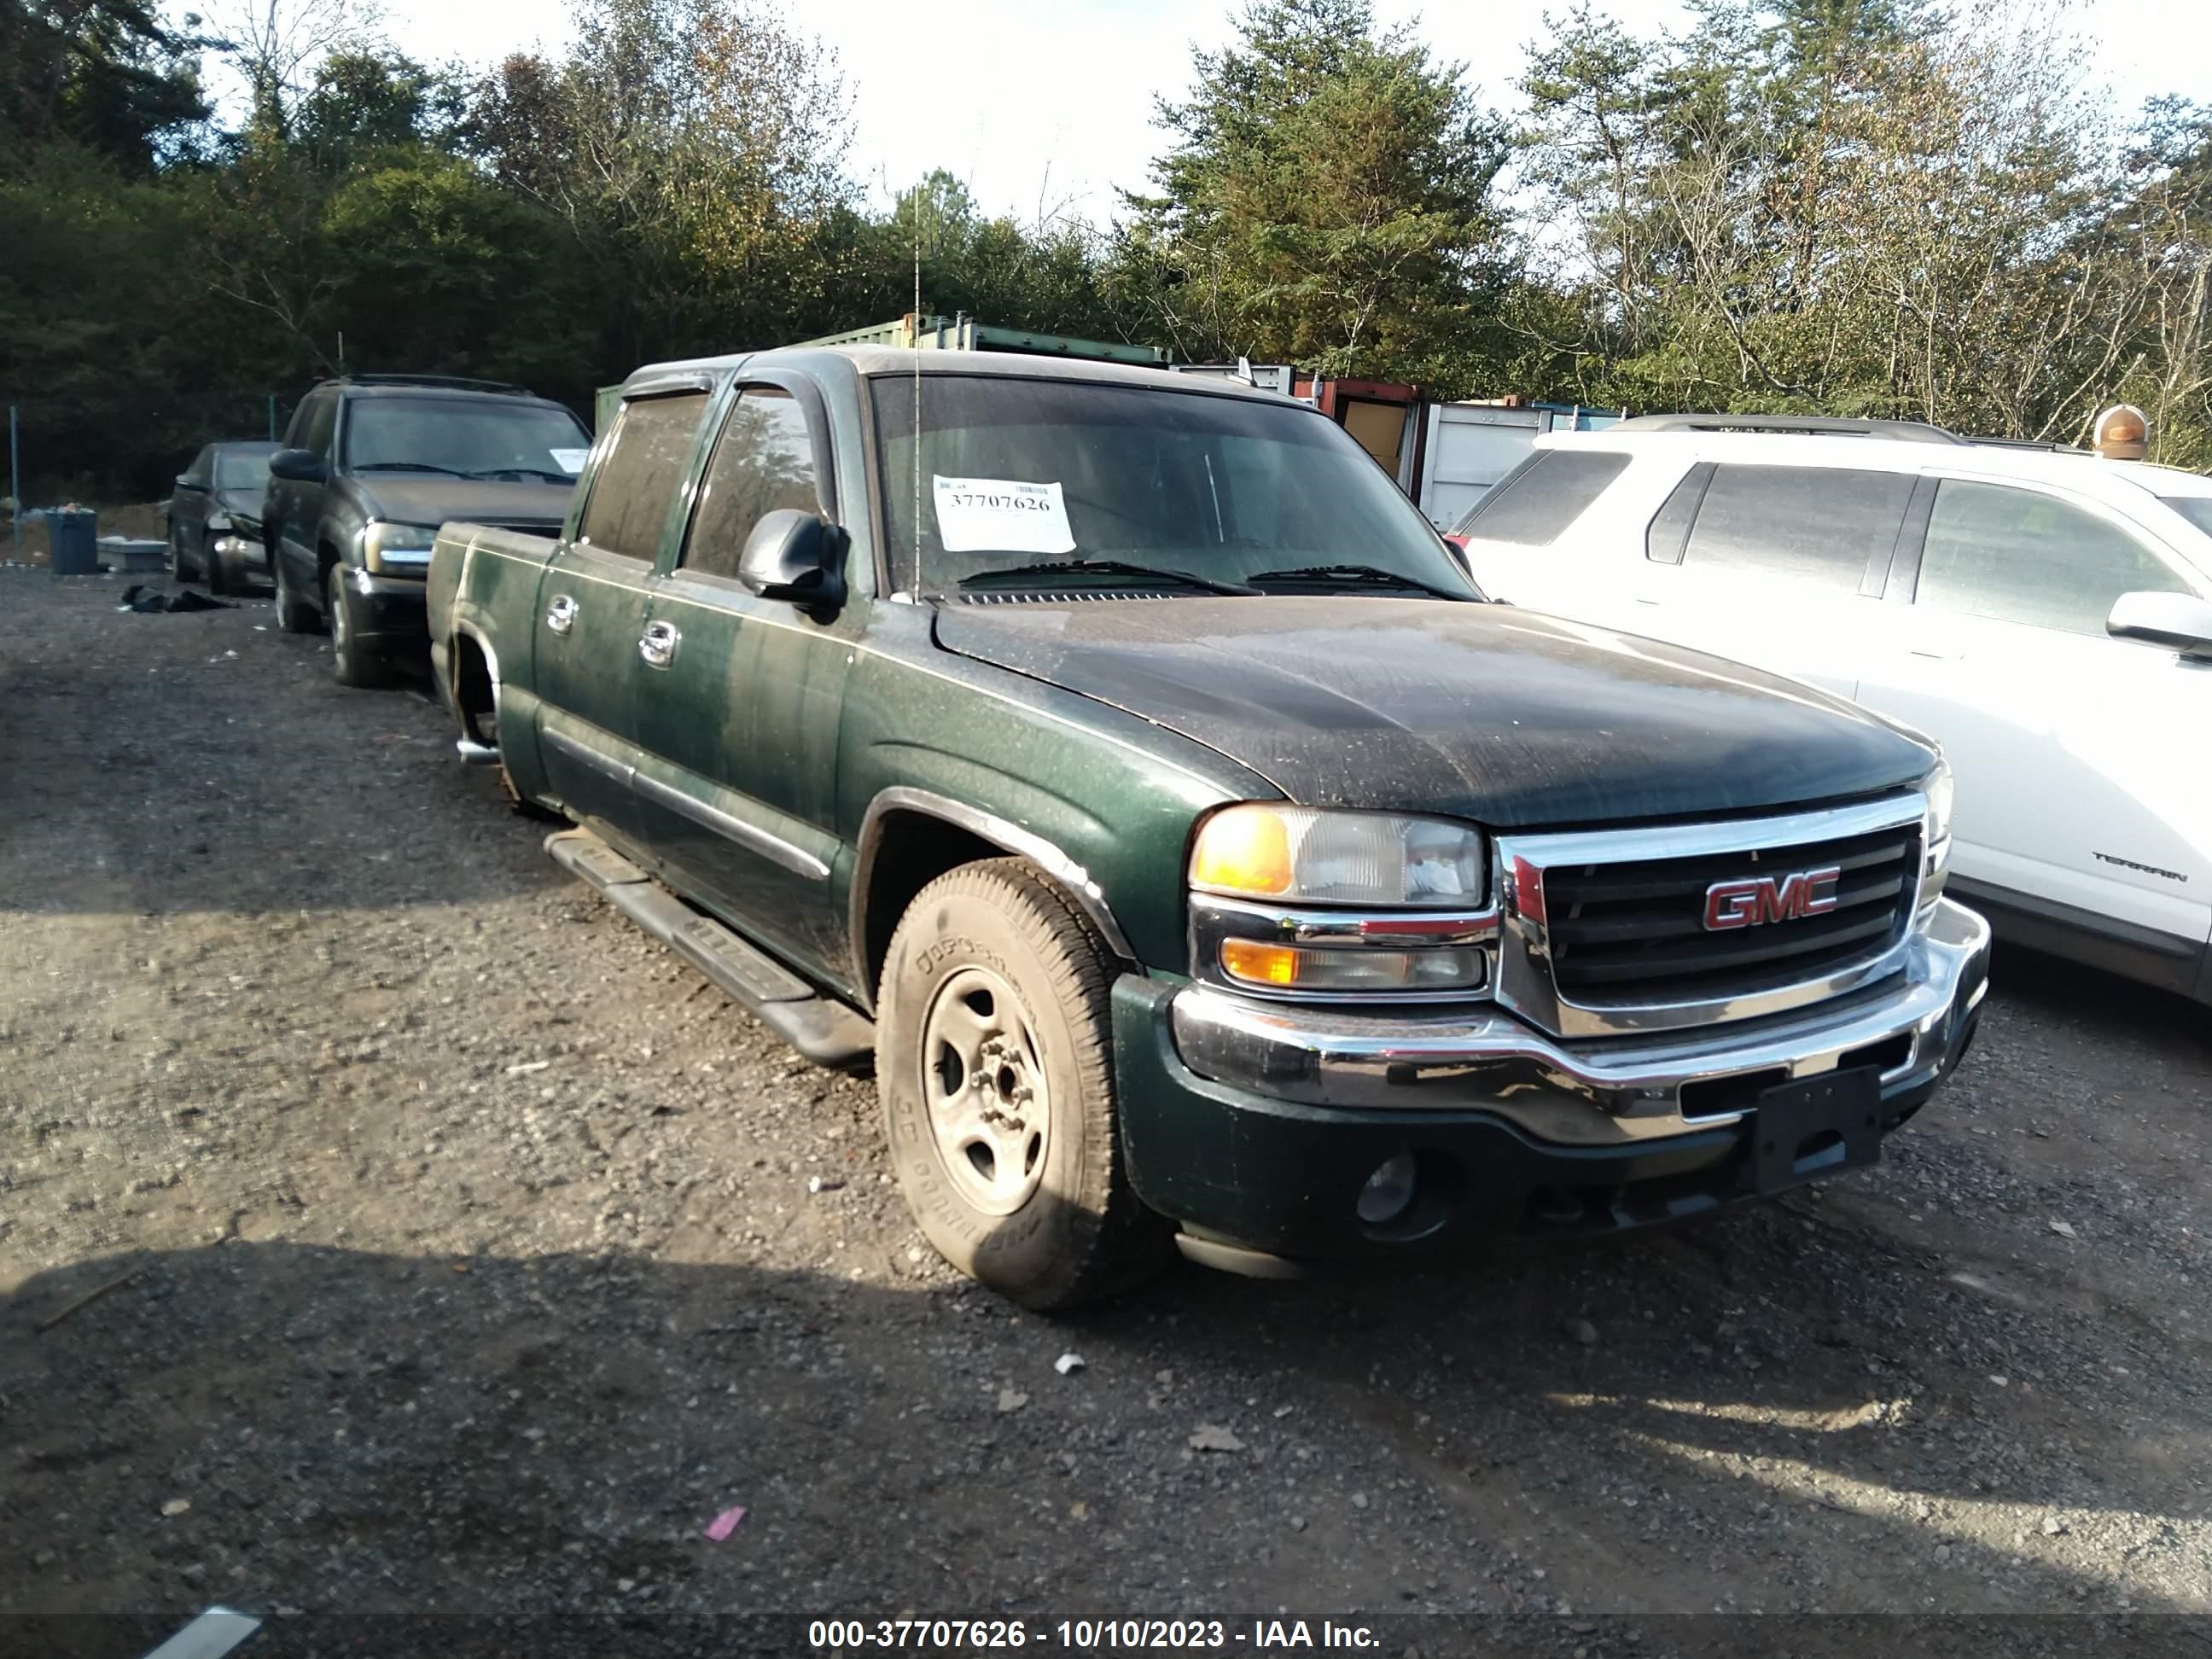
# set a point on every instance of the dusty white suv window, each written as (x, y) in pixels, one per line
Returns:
(2197, 509)
(1538, 499)
(1820, 524)
(2020, 556)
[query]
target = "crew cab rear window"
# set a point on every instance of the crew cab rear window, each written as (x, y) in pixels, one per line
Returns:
(635, 484)
(316, 421)
(1819, 524)
(2020, 556)
(763, 460)
(1538, 499)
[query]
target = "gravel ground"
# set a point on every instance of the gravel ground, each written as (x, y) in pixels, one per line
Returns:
(478, 1254)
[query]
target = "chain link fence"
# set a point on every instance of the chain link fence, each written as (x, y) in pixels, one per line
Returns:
(121, 459)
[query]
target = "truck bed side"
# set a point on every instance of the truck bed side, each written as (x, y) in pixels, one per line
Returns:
(482, 602)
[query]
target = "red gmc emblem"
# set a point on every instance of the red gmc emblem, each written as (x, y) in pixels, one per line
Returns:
(1762, 899)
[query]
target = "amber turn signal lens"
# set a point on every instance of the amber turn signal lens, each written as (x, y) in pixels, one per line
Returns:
(1254, 961)
(1245, 849)
(1259, 964)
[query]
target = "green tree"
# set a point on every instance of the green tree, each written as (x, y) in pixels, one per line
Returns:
(1864, 206)
(1326, 197)
(368, 98)
(104, 74)
(693, 150)
(934, 216)
(99, 341)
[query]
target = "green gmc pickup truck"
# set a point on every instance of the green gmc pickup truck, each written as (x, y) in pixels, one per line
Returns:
(1121, 765)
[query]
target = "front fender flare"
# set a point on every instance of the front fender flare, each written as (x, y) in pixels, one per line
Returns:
(1001, 832)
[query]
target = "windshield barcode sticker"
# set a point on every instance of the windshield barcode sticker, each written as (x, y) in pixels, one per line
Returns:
(1002, 515)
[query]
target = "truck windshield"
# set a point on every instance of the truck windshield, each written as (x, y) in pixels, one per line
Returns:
(1017, 473)
(249, 470)
(475, 437)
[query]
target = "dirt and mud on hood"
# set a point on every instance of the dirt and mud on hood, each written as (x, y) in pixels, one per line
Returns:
(1503, 716)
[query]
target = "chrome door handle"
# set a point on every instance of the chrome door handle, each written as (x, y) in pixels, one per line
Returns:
(560, 615)
(657, 645)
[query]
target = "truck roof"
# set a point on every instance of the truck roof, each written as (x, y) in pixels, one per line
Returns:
(1005, 365)
(431, 385)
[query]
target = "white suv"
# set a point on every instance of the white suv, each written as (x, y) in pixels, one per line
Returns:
(2046, 613)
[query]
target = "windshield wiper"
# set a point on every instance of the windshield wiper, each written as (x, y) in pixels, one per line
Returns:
(408, 466)
(523, 472)
(1107, 567)
(1373, 575)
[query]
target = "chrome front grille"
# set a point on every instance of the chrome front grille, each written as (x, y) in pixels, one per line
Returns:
(1639, 930)
(1689, 924)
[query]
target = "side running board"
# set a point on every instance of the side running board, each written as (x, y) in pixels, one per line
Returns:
(823, 1029)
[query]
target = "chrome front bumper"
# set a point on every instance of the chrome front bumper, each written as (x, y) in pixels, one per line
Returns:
(1592, 1092)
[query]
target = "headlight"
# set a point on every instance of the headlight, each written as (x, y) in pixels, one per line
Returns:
(1938, 786)
(407, 544)
(1308, 856)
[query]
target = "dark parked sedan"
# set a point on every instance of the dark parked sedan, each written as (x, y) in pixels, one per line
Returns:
(214, 517)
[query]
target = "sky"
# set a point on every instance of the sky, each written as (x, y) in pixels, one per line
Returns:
(1045, 106)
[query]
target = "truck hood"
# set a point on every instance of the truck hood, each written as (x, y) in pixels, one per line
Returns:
(1503, 716)
(409, 498)
(241, 507)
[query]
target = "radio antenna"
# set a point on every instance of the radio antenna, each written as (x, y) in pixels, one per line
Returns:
(913, 340)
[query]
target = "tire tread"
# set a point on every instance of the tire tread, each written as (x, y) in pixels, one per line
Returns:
(1119, 1242)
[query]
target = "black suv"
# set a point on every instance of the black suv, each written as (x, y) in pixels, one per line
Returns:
(372, 465)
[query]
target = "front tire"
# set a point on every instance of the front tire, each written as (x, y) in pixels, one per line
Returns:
(218, 579)
(995, 1064)
(293, 614)
(354, 662)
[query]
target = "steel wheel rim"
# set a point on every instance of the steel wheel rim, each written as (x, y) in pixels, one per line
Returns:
(990, 1112)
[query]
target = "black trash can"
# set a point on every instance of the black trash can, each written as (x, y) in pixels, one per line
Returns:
(73, 541)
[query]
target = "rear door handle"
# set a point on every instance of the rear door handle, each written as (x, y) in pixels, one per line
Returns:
(657, 645)
(560, 615)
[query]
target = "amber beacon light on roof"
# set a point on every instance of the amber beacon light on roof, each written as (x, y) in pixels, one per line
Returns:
(2121, 434)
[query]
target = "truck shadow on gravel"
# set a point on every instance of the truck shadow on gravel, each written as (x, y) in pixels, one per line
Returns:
(1774, 1414)
(2098, 1006)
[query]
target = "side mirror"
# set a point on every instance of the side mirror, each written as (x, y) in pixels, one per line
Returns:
(183, 477)
(299, 465)
(794, 556)
(2180, 621)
